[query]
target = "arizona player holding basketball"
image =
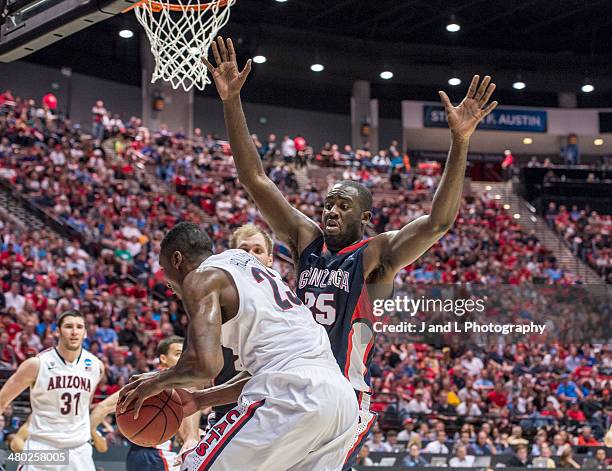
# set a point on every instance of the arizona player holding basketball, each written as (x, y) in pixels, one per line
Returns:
(296, 411)
(335, 265)
(160, 457)
(62, 382)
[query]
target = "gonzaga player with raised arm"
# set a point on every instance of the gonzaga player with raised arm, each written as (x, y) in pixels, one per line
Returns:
(339, 273)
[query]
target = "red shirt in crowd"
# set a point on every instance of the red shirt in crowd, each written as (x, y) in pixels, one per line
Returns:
(499, 399)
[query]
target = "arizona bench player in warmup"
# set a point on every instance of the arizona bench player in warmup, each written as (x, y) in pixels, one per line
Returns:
(337, 269)
(296, 411)
(161, 457)
(62, 382)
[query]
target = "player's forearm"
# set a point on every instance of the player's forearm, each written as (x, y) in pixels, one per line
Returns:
(220, 395)
(184, 376)
(102, 409)
(447, 199)
(245, 154)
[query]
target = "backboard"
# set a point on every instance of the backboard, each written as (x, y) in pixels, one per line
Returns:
(27, 26)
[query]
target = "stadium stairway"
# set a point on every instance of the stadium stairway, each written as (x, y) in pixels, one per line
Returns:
(530, 220)
(14, 209)
(301, 176)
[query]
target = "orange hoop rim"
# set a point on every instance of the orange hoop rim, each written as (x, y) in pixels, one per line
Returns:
(159, 6)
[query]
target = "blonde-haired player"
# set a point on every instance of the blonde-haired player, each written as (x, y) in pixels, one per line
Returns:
(255, 241)
(62, 382)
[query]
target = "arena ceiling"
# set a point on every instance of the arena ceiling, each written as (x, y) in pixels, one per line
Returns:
(553, 45)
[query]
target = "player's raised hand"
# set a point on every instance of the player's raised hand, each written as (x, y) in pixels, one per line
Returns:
(463, 118)
(228, 79)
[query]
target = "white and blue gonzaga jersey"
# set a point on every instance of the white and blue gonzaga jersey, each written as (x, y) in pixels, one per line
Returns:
(60, 398)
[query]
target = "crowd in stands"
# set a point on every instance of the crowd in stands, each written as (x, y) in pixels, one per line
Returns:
(122, 186)
(587, 233)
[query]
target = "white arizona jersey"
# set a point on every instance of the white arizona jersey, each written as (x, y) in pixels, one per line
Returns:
(60, 398)
(273, 329)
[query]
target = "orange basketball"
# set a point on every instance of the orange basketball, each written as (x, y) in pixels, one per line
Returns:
(159, 419)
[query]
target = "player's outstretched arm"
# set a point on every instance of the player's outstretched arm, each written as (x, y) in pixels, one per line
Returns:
(24, 377)
(413, 240)
(96, 417)
(289, 225)
(202, 358)
(102, 409)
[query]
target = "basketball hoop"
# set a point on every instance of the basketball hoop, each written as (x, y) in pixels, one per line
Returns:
(180, 34)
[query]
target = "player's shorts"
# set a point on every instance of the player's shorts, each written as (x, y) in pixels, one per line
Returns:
(150, 459)
(367, 420)
(80, 458)
(302, 419)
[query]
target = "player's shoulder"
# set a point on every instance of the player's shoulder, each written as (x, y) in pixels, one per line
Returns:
(314, 246)
(206, 278)
(30, 368)
(235, 257)
(45, 353)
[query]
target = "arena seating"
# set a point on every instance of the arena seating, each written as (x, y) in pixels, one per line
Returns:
(114, 199)
(587, 233)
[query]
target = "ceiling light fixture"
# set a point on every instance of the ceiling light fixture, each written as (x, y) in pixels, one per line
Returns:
(386, 75)
(453, 26)
(259, 59)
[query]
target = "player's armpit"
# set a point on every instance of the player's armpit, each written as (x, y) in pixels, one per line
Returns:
(391, 251)
(24, 377)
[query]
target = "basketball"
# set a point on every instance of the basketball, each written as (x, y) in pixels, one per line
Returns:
(158, 421)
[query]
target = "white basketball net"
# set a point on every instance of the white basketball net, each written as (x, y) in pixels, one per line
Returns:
(181, 36)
